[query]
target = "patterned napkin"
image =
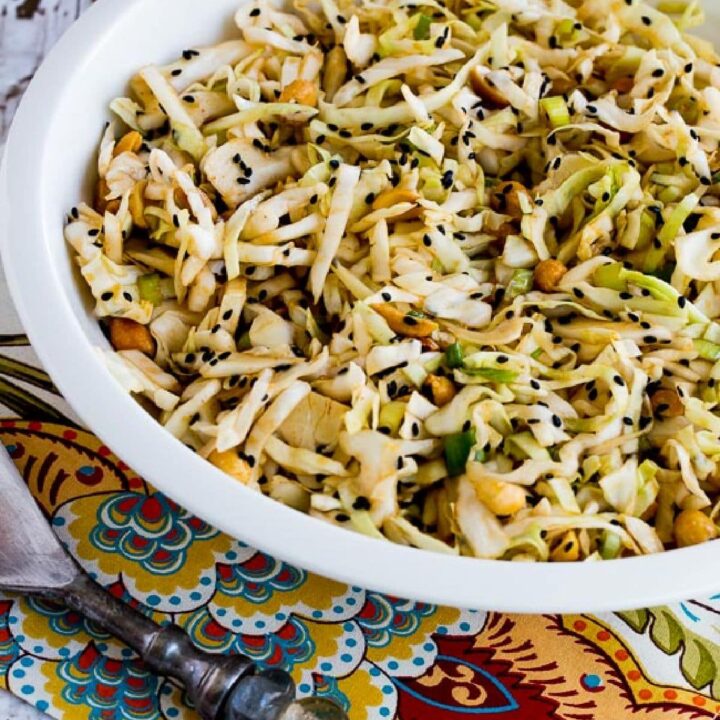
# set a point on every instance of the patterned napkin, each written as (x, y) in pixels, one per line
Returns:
(380, 657)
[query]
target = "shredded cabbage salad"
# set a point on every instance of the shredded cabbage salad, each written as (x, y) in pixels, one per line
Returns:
(442, 273)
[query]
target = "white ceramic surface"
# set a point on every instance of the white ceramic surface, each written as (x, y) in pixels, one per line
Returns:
(46, 169)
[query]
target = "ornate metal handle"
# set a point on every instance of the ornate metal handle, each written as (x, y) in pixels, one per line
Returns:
(221, 687)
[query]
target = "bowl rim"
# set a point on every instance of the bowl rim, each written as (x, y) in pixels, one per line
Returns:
(169, 466)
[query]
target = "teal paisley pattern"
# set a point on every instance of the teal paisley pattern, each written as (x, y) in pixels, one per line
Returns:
(384, 617)
(257, 579)
(153, 531)
(109, 687)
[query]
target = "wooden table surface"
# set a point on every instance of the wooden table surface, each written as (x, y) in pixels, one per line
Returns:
(28, 29)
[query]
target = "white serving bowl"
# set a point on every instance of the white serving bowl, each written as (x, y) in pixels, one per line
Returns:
(48, 166)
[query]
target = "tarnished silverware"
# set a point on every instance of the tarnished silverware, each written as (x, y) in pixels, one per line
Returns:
(222, 687)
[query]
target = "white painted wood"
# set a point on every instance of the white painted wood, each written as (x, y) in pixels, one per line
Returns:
(28, 29)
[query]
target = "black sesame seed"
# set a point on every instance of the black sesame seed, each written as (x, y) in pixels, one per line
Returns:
(361, 503)
(556, 421)
(254, 12)
(106, 296)
(127, 296)
(646, 20)
(466, 426)
(176, 72)
(618, 380)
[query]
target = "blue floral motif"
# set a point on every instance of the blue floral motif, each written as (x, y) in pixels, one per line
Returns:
(63, 621)
(258, 578)
(285, 648)
(289, 646)
(151, 530)
(384, 617)
(123, 688)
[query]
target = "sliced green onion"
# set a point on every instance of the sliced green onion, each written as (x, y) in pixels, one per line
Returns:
(457, 451)
(610, 545)
(707, 350)
(422, 27)
(557, 110)
(535, 354)
(391, 416)
(455, 355)
(669, 231)
(520, 283)
(149, 288)
(243, 342)
(647, 230)
(610, 276)
(480, 455)
(493, 374)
